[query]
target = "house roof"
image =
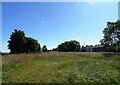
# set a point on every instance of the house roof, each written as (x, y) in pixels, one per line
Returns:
(96, 46)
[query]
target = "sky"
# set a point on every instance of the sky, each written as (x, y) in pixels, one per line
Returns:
(52, 23)
(0, 26)
(119, 10)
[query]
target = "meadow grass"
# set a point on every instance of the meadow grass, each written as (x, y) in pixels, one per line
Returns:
(61, 67)
(0, 69)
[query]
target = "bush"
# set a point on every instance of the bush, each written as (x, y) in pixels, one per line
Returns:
(44, 48)
(69, 46)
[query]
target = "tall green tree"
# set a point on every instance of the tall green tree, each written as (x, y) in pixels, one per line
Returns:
(19, 43)
(16, 41)
(111, 38)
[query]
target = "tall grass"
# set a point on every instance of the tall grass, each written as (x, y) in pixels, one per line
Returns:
(61, 67)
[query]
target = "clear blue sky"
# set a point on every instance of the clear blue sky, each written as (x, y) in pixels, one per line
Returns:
(52, 23)
(0, 26)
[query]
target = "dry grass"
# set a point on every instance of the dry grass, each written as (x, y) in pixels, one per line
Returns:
(0, 69)
(61, 67)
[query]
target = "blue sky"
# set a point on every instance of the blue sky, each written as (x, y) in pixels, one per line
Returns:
(52, 23)
(0, 26)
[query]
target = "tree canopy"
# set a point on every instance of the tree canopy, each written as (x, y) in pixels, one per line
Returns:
(111, 38)
(19, 43)
(44, 48)
(69, 46)
(31, 45)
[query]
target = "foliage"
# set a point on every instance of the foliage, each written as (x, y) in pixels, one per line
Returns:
(0, 53)
(19, 43)
(44, 48)
(31, 45)
(83, 49)
(111, 36)
(55, 49)
(69, 46)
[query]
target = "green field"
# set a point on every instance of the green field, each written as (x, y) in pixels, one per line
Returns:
(59, 67)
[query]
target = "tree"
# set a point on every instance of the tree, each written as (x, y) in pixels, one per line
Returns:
(16, 42)
(83, 49)
(44, 48)
(69, 46)
(31, 45)
(55, 49)
(0, 53)
(111, 40)
(19, 43)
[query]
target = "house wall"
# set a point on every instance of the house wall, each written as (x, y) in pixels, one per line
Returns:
(89, 49)
(94, 49)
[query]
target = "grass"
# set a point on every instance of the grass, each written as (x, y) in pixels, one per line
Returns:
(54, 67)
(0, 69)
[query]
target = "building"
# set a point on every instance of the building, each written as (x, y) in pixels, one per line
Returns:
(96, 48)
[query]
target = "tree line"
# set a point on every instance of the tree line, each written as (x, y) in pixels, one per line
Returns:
(19, 43)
